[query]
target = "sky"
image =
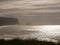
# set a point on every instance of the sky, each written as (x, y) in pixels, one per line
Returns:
(33, 11)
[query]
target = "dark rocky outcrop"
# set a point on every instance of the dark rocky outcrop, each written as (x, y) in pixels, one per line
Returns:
(8, 21)
(25, 42)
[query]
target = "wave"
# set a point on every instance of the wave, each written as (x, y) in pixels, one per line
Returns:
(39, 32)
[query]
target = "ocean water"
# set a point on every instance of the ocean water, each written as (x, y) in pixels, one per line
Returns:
(39, 32)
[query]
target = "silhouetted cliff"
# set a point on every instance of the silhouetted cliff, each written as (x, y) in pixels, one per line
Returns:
(8, 21)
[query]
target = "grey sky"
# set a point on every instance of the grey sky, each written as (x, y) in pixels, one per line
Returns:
(28, 6)
(32, 10)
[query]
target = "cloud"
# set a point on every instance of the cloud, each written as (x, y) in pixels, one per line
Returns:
(8, 0)
(26, 3)
(29, 7)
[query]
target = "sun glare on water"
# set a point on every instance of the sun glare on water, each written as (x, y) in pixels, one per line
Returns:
(49, 29)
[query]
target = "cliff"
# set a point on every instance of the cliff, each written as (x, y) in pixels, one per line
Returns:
(8, 21)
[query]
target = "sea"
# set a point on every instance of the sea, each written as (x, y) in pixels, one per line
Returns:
(50, 33)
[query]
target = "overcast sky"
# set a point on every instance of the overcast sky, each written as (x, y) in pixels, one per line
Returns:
(32, 10)
(28, 7)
